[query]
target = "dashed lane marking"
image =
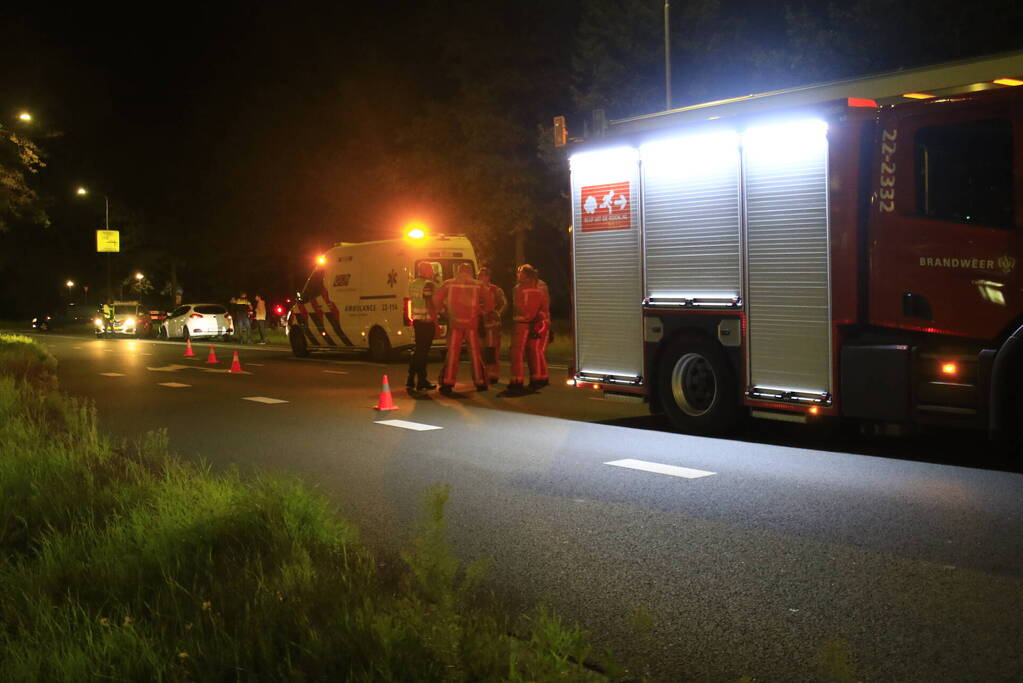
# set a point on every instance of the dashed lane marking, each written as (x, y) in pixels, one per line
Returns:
(258, 365)
(336, 372)
(405, 424)
(174, 385)
(263, 399)
(112, 374)
(660, 468)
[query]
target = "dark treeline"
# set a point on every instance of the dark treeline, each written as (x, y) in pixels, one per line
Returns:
(236, 141)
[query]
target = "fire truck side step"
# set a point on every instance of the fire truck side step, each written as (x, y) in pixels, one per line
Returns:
(779, 416)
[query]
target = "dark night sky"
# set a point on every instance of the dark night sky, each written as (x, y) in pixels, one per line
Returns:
(245, 137)
(216, 123)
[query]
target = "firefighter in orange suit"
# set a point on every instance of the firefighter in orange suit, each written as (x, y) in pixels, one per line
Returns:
(532, 326)
(464, 299)
(490, 327)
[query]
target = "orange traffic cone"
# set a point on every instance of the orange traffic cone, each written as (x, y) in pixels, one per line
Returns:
(212, 358)
(189, 353)
(386, 402)
(236, 366)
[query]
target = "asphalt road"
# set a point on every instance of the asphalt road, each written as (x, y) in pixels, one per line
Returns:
(909, 550)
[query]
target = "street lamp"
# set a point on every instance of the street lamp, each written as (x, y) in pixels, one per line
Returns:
(25, 116)
(140, 276)
(82, 191)
(69, 284)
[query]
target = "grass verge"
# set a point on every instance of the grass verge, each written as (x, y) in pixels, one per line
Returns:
(121, 561)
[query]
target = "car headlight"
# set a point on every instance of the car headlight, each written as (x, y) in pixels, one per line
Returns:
(129, 322)
(35, 320)
(99, 322)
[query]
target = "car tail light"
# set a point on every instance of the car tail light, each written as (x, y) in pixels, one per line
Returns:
(227, 316)
(278, 309)
(407, 311)
(196, 315)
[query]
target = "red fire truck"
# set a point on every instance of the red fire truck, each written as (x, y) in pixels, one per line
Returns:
(852, 249)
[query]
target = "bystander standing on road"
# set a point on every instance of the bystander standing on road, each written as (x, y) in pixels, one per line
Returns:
(424, 326)
(532, 326)
(240, 308)
(490, 326)
(259, 315)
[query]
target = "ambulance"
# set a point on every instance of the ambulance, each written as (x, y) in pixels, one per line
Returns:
(358, 295)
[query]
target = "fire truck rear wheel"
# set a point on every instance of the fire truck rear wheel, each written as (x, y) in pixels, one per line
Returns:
(379, 345)
(697, 387)
(299, 346)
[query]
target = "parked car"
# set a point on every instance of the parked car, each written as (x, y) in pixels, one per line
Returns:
(194, 321)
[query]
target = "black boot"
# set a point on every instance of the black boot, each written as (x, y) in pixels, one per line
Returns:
(515, 388)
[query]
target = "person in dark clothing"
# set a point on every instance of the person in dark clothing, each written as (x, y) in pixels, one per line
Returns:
(240, 308)
(424, 325)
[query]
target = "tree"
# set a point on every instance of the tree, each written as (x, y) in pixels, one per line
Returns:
(20, 158)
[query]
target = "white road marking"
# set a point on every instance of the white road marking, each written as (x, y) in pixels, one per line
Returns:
(336, 372)
(660, 468)
(258, 365)
(262, 399)
(405, 424)
(112, 374)
(175, 385)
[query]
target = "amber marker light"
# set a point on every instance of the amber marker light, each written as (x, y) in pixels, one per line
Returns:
(321, 260)
(416, 230)
(917, 96)
(814, 410)
(1008, 81)
(949, 369)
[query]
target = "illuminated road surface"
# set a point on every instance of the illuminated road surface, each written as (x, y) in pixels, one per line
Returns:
(749, 554)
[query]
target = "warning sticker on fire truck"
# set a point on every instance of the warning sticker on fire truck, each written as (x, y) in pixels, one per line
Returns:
(606, 207)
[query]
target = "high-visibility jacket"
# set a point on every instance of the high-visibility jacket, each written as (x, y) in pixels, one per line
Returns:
(532, 302)
(494, 305)
(464, 300)
(421, 293)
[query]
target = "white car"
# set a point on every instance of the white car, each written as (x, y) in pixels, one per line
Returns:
(194, 321)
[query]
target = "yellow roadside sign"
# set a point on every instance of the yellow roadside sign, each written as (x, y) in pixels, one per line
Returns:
(108, 240)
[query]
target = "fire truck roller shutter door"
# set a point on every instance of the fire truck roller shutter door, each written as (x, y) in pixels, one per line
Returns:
(691, 218)
(608, 277)
(787, 257)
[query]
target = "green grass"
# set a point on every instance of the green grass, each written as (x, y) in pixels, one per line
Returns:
(122, 561)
